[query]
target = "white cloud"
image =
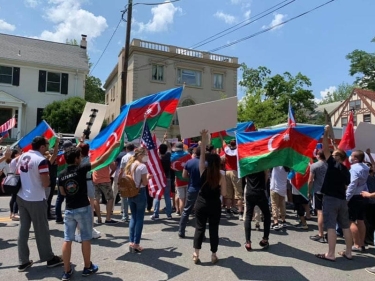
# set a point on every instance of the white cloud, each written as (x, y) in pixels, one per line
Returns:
(162, 18)
(324, 93)
(229, 19)
(247, 14)
(4, 26)
(32, 3)
(244, 3)
(71, 21)
(277, 19)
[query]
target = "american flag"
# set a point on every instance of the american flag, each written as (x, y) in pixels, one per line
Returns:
(291, 120)
(8, 125)
(4, 134)
(158, 181)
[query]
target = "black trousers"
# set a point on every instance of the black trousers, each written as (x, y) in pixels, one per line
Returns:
(211, 211)
(49, 199)
(262, 202)
(370, 223)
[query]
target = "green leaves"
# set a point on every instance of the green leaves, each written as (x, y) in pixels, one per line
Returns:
(363, 65)
(267, 97)
(93, 90)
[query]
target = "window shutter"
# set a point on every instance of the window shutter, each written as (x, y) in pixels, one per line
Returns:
(64, 83)
(16, 76)
(42, 81)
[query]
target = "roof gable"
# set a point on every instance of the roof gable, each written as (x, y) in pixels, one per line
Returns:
(5, 97)
(30, 50)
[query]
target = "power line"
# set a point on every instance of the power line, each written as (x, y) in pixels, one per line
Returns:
(110, 39)
(203, 42)
(257, 33)
(154, 4)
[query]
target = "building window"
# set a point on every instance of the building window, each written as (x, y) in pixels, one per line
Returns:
(218, 81)
(354, 104)
(6, 74)
(190, 77)
(367, 118)
(106, 98)
(53, 82)
(344, 121)
(355, 120)
(39, 115)
(157, 72)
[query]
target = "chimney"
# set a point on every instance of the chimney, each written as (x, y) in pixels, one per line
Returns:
(83, 42)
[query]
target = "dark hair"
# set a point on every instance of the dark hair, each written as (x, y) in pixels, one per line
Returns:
(38, 142)
(130, 147)
(213, 169)
(198, 151)
(321, 155)
(163, 148)
(341, 153)
(286, 169)
(14, 153)
(209, 148)
(71, 154)
(85, 148)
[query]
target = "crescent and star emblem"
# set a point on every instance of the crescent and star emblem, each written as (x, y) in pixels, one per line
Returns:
(270, 148)
(114, 134)
(180, 165)
(153, 110)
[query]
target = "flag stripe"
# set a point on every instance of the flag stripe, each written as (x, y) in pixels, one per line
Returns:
(8, 125)
(43, 129)
(284, 157)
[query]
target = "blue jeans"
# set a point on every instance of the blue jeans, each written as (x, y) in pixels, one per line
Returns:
(189, 206)
(83, 218)
(167, 198)
(59, 200)
(137, 207)
(125, 208)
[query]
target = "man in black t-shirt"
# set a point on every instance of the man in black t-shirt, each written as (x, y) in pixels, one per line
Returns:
(73, 185)
(335, 206)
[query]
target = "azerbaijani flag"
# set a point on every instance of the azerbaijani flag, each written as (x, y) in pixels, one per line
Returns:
(178, 162)
(44, 130)
(107, 137)
(229, 135)
(300, 181)
(60, 161)
(291, 147)
(158, 109)
(348, 141)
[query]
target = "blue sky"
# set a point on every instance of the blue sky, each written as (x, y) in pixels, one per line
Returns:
(315, 44)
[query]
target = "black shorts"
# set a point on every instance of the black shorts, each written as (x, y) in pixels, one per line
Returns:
(318, 200)
(299, 201)
(357, 208)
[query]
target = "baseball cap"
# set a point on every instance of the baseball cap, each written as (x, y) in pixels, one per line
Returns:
(67, 144)
(178, 146)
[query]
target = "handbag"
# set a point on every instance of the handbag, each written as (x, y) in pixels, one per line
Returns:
(11, 183)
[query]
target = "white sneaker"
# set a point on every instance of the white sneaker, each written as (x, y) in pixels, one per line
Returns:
(78, 238)
(95, 234)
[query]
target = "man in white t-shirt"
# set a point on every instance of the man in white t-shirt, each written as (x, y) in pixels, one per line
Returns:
(32, 204)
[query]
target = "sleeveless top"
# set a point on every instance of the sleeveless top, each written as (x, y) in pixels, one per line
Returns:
(207, 192)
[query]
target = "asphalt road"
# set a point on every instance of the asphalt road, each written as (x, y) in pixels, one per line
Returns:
(167, 257)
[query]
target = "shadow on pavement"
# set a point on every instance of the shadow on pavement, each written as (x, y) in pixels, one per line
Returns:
(246, 271)
(358, 262)
(151, 257)
(5, 244)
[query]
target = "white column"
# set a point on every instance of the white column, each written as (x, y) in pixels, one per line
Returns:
(20, 119)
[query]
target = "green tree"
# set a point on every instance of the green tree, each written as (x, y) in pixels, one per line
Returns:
(363, 65)
(342, 92)
(63, 116)
(267, 97)
(93, 86)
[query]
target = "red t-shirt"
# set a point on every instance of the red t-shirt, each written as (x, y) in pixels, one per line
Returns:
(230, 159)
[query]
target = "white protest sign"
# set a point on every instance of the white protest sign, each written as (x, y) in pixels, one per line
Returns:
(214, 116)
(364, 136)
(91, 120)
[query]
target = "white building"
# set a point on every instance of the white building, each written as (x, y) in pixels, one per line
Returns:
(35, 73)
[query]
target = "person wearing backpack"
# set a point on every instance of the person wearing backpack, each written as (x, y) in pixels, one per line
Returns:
(138, 170)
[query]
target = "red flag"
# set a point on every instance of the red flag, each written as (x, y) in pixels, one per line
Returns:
(157, 183)
(348, 142)
(8, 125)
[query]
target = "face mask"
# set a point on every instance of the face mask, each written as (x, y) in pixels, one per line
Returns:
(144, 159)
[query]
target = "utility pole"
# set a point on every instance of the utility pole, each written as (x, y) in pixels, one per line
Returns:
(124, 74)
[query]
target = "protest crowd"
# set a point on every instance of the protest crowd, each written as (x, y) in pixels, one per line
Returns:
(253, 177)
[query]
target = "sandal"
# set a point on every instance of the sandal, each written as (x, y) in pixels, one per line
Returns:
(343, 254)
(137, 249)
(264, 243)
(323, 257)
(196, 259)
(248, 246)
(214, 258)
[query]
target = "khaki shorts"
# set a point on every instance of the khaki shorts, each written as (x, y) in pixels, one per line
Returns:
(234, 186)
(181, 192)
(106, 188)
